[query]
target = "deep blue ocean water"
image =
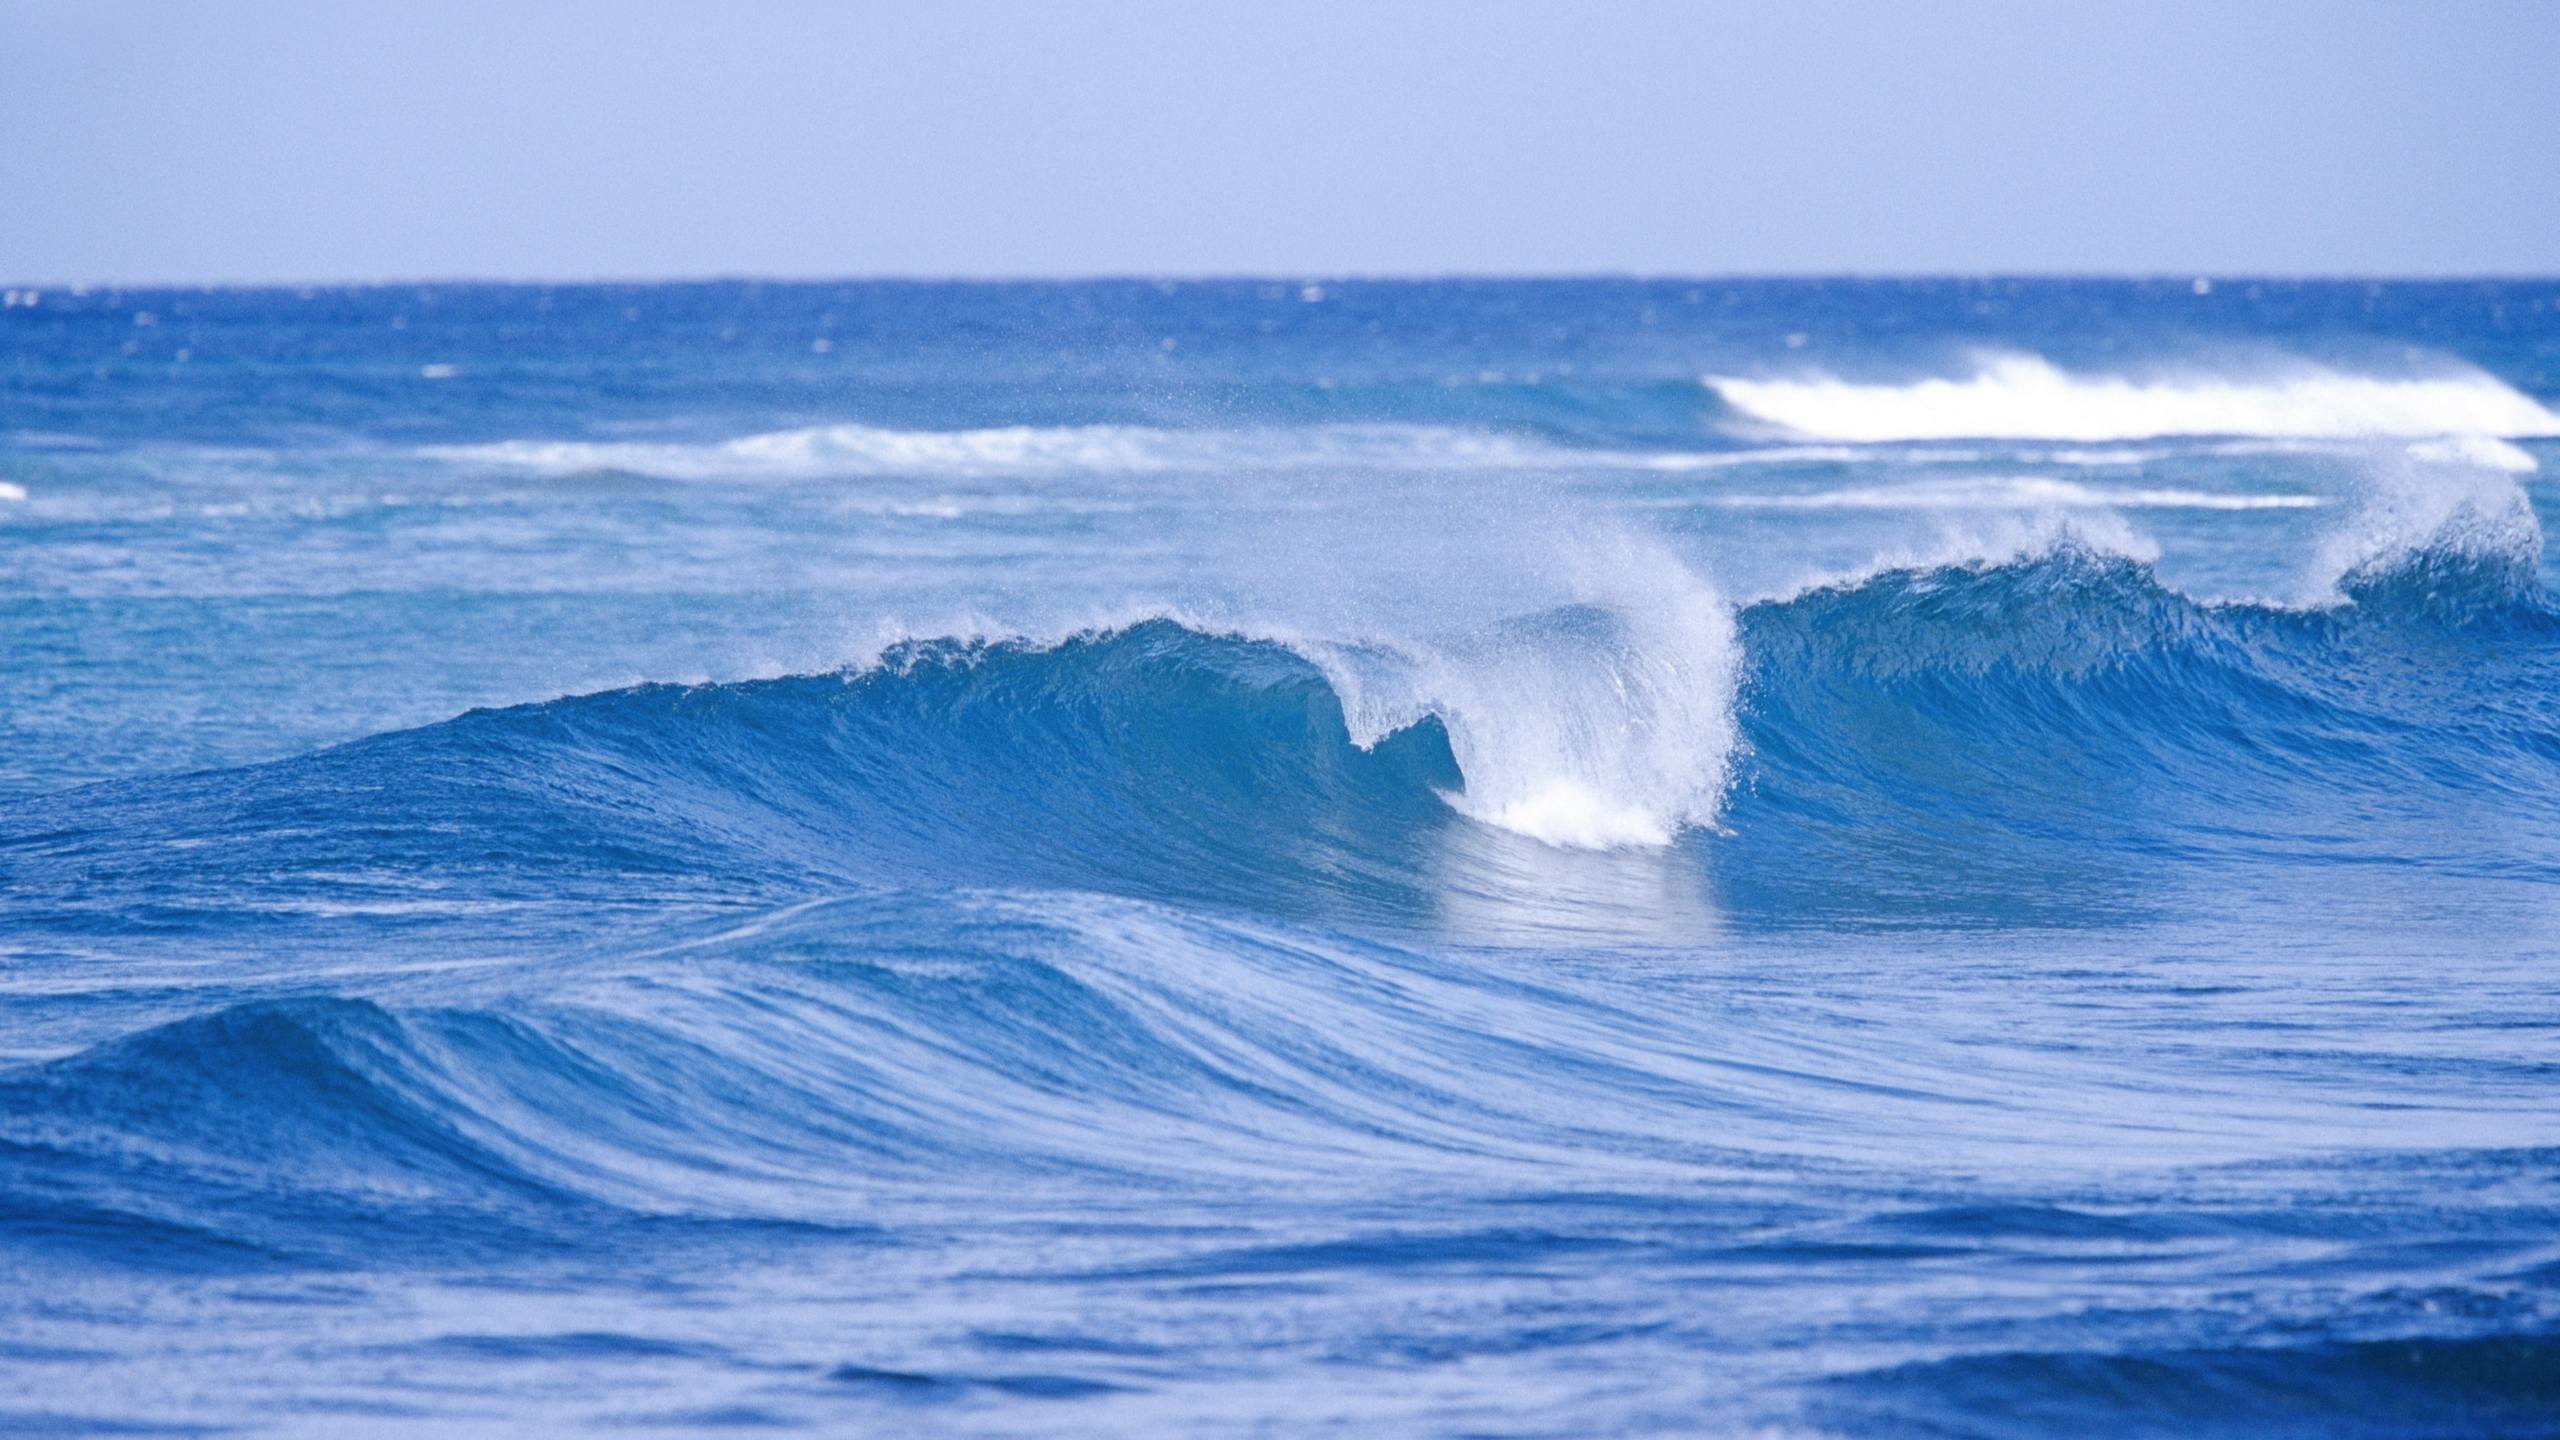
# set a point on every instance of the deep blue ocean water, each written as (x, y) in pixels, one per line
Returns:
(1574, 858)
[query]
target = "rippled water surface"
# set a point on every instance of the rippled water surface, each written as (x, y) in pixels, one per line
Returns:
(1949, 859)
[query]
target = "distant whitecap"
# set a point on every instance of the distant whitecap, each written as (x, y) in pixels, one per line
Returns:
(2020, 396)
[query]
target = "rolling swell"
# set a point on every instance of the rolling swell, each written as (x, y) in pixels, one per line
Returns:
(1509, 987)
(821, 1066)
(2065, 725)
(1942, 732)
(2502, 1386)
(1209, 763)
(2050, 739)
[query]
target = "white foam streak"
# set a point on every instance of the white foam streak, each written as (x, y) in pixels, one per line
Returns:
(1682, 462)
(1031, 451)
(2014, 396)
(1994, 492)
(2479, 451)
(1021, 450)
(831, 450)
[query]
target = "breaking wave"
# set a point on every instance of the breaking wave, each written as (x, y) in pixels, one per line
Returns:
(1974, 720)
(2015, 396)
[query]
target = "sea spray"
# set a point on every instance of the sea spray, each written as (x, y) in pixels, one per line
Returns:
(2429, 508)
(668, 882)
(1601, 722)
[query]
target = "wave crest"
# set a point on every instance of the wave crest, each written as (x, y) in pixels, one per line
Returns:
(2026, 397)
(1590, 725)
(1987, 719)
(2436, 526)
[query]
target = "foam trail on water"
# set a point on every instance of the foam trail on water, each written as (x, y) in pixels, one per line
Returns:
(1027, 451)
(1018, 451)
(1022, 450)
(2020, 396)
(1994, 492)
(2478, 451)
(835, 450)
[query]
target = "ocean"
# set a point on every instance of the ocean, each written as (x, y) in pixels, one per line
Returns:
(1474, 858)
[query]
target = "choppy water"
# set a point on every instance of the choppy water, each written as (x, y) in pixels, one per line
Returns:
(1475, 859)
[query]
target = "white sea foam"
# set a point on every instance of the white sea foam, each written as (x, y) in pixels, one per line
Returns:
(1604, 723)
(1677, 462)
(2479, 451)
(1031, 451)
(1021, 450)
(2015, 396)
(1588, 700)
(12, 491)
(2035, 451)
(828, 450)
(2454, 500)
(1995, 492)
(1028, 451)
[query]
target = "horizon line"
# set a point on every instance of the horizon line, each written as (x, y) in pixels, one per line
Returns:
(1322, 277)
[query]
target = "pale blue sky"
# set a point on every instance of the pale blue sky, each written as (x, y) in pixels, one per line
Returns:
(342, 139)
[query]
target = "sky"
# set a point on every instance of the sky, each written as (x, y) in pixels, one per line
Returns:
(277, 141)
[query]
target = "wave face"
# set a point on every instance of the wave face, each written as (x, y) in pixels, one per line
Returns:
(1955, 728)
(2027, 397)
(585, 862)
